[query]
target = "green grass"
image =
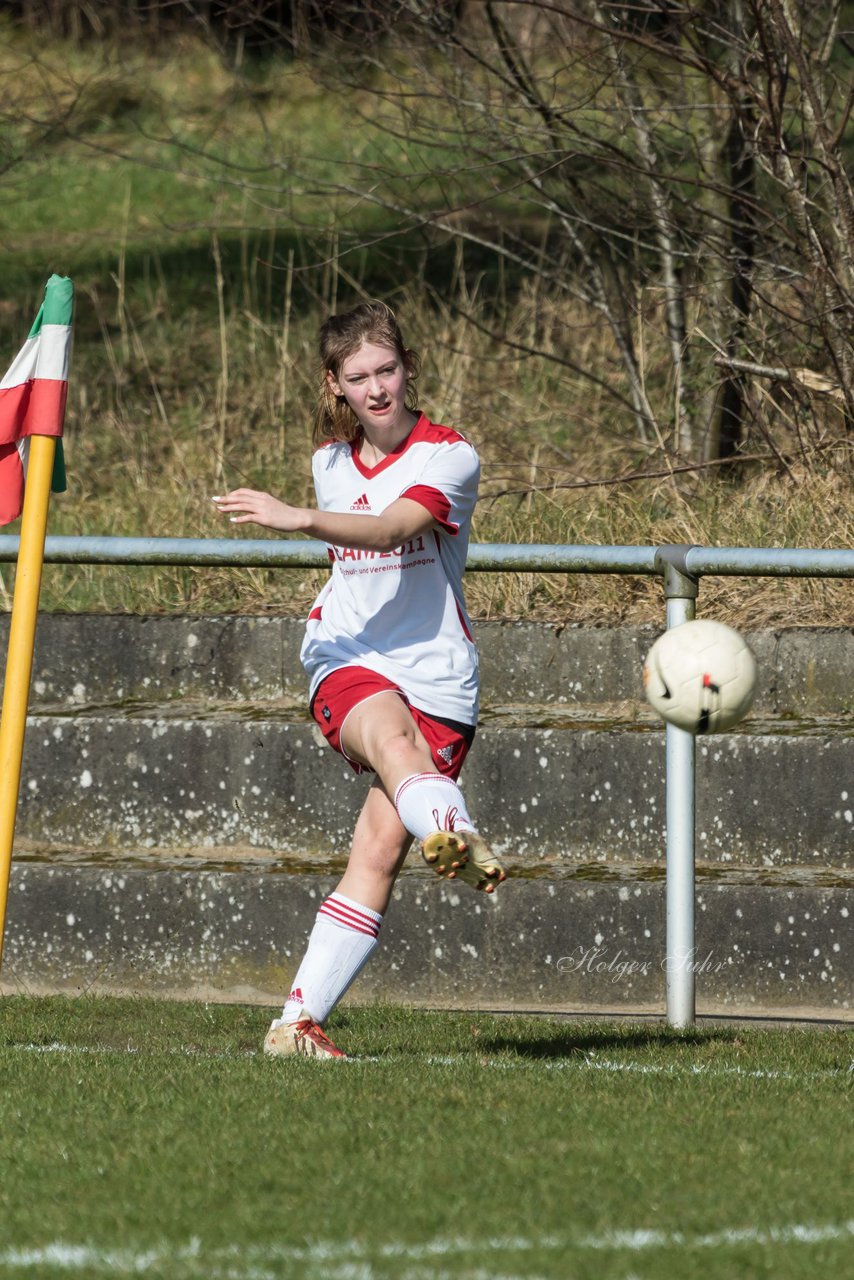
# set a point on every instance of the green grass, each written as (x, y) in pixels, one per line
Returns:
(115, 148)
(155, 1139)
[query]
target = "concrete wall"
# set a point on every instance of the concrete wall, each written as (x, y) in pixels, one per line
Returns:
(170, 834)
(102, 657)
(535, 944)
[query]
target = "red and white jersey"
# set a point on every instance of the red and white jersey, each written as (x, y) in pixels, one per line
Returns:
(401, 613)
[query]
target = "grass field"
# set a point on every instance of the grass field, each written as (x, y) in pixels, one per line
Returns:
(144, 1138)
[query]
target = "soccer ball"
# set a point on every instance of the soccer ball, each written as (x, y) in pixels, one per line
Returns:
(700, 676)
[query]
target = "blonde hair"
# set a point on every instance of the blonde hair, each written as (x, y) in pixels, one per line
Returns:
(340, 337)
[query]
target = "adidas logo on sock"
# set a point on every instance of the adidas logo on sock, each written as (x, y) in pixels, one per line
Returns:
(361, 504)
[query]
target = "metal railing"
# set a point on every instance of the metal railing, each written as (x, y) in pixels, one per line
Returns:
(680, 568)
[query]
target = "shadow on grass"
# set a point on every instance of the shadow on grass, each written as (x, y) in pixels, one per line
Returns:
(573, 1041)
(255, 270)
(402, 1030)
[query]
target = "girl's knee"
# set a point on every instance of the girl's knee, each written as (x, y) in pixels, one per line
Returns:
(408, 742)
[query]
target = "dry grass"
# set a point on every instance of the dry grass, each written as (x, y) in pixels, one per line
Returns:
(194, 364)
(167, 408)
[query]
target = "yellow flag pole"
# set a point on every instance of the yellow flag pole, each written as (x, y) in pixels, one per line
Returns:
(19, 657)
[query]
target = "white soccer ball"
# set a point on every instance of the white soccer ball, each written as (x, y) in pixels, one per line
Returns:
(700, 676)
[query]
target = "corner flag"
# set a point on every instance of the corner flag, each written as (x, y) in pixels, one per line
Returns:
(32, 409)
(33, 394)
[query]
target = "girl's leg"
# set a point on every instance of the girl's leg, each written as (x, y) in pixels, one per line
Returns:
(345, 933)
(381, 732)
(378, 850)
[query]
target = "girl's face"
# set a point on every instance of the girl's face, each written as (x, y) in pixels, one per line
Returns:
(373, 382)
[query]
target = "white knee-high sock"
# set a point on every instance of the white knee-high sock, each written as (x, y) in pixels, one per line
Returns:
(428, 802)
(342, 942)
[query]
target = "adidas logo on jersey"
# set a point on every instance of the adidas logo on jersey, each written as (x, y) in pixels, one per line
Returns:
(361, 504)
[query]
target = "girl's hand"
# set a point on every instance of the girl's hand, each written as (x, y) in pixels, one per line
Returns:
(248, 506)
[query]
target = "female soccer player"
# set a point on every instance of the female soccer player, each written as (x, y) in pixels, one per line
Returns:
(388, 648)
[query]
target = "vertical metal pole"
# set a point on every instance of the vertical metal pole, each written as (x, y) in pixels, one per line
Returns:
(19, 657)
(681, 592)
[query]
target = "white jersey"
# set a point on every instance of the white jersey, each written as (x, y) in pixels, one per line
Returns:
(401, 613)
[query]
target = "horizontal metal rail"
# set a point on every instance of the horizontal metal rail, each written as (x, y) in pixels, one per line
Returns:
(770, 562)
(680, 567)
(489, 557)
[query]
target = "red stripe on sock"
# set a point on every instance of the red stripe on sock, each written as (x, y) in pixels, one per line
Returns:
(349, 917)
(364, 913)
(348, 924)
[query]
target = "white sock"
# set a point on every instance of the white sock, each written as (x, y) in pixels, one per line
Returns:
(342, 942)
(428, 802)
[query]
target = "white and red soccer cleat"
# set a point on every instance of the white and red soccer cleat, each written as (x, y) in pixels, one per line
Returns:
(463, 855)
(305, 1037)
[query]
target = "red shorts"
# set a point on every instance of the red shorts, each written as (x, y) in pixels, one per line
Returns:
(345, 688)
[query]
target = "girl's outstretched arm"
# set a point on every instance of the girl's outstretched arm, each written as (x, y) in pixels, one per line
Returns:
(402, 520)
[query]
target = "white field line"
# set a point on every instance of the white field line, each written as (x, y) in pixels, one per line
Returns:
(590, 1062)
(353, 1259)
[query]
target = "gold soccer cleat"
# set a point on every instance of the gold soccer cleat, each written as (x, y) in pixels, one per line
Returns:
(463, 855)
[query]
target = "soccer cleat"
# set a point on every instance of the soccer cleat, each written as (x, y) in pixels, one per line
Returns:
(304, 1037)
(463, 855)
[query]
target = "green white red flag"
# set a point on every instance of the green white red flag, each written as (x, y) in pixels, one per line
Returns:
(33, 395)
